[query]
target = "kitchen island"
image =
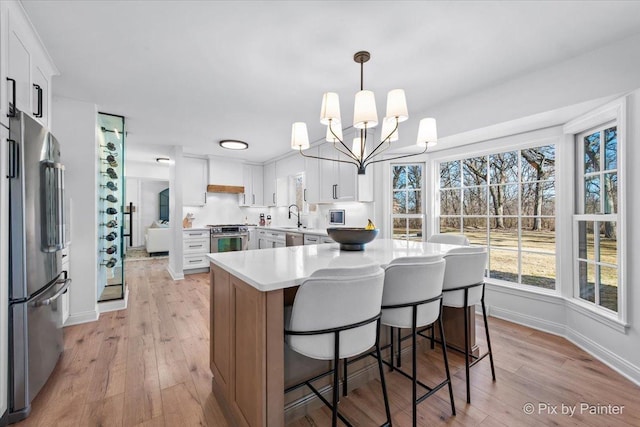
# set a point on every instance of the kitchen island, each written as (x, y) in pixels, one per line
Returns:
(249, 290)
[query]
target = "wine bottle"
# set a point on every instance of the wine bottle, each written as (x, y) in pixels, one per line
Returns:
(111, 186)
(110, 250)
(111, 263)
(110, 198)
(112, 174)
(112, 211)
(111, 236)
(110, 224)
(111, 146)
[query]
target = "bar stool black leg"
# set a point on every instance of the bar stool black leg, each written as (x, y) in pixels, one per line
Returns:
(336, 370)
(414, 367)
(446, 362)
(433, 342)
(382, 380)
(466, 341)
(399, 348)
(486, 328)
(392, 346)
(344, 377)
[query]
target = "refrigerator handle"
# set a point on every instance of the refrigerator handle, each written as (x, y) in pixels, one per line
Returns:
(48, 301)
(39, 92)
(12, 105)
(13, 159)
(61, 241)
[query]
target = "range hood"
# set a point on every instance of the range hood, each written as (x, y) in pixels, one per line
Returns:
(232, 189)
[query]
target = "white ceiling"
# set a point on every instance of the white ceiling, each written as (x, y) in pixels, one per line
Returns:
(193, 72)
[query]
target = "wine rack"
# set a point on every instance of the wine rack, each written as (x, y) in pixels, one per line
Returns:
(111, 195)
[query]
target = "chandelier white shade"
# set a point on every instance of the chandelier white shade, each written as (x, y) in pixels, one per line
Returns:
(365, 117)
(299, 136)
(330, 110)
(397, 105)
(427, 133)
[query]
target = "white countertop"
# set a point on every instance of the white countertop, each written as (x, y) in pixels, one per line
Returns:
(279, 268)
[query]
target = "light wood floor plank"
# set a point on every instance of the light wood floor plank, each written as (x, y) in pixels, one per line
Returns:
(148, 366)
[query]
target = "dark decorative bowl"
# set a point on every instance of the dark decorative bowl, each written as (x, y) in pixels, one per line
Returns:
(352, 239)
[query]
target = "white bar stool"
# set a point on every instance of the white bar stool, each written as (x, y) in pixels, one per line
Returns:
(412, 298)
(464, 287)
(335, 315)
(449, 239)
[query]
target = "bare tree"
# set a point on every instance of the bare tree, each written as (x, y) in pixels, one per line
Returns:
(542, 160)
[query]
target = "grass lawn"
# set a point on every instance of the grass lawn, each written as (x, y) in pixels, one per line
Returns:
(538, 259)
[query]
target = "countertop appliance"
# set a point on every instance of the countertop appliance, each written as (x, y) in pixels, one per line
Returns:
(36, 279)
(229, 237)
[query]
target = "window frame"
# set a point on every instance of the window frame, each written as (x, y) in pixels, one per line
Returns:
(615, 113)
(535, 138)
(423, 189)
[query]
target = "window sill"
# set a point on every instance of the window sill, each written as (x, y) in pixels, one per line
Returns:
(527, 291)
(604, 318)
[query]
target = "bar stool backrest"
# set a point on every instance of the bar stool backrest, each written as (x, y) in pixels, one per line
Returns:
(409, 280)
(333, 298)
(449, 239)
(465, 266)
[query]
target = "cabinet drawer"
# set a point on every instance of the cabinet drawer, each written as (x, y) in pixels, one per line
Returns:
(327, 240)
(195, 261)
(311, 239)
(196, 234)
(200, 246)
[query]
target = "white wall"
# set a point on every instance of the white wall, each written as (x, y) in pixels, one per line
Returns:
(74, 123)
(147, 170)
(176, 175)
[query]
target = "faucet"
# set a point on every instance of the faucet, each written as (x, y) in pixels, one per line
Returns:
(297, 214)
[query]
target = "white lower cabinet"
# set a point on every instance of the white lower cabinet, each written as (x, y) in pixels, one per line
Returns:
(196, 244)
(315, 239)
(311, 239)
(271, 239)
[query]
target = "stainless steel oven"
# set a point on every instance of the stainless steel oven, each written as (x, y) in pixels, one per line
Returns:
(227, 238)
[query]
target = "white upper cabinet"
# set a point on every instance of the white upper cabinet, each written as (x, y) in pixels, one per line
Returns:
(312, 181)
(194, 184)
(252, 177)
(25, 66)
(269, 184)
(339, 181)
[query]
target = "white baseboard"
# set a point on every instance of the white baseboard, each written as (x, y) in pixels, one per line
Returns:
(174, 275)
(82, 317)
(612, 360)
(615, 362)
(529, 321)
(115, 305)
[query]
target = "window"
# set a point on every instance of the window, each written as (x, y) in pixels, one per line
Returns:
(506, 202)
(407, 212)
(596, 220)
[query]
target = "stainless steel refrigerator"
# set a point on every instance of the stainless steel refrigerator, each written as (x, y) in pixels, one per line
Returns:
(36, 279)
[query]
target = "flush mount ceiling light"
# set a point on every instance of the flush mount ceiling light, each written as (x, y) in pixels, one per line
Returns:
(233, 144)
(163, 160)
(365, 117)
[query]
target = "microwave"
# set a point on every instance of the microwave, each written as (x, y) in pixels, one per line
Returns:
(336, 216)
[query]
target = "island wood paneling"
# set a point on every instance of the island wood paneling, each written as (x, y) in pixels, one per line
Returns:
(247, 348)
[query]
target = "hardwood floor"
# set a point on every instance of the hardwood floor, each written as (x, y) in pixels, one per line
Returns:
(149, 366)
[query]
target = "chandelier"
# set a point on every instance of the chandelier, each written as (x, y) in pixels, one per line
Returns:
(365, 117)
